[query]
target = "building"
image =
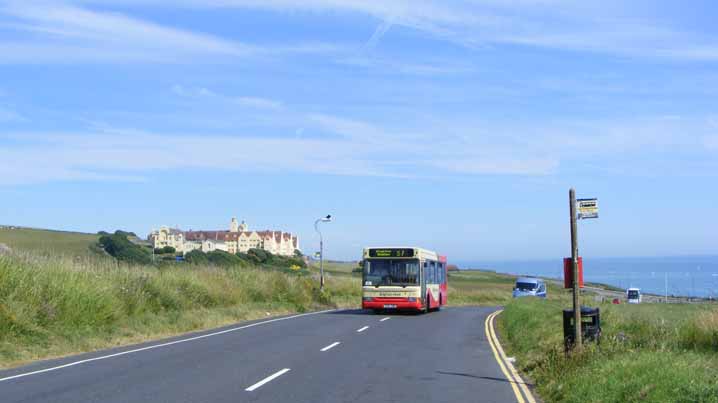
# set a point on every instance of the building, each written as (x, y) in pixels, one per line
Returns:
(237, 239)
(166, 236)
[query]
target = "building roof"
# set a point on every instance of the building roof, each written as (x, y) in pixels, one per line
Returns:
(278, 236)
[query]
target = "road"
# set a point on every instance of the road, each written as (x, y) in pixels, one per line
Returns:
(335, 356)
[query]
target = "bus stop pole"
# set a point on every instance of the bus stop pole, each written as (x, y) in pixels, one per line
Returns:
(574, 269)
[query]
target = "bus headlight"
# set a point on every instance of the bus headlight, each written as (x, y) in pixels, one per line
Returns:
(367, 299)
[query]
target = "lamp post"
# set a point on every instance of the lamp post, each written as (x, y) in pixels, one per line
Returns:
(328, 218)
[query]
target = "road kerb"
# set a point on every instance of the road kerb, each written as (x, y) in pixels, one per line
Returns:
(515, 377)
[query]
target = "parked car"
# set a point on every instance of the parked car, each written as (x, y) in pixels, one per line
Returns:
(529, 286)
(633, 295)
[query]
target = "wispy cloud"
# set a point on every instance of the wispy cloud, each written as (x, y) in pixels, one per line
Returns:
(246, 101)
(556, 24)
(61, 32)
(365, 149)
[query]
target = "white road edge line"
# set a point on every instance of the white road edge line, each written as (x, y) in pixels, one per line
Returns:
(387, 318)
(267, 379)
(336, 343)
(362, 329)
(160, 345)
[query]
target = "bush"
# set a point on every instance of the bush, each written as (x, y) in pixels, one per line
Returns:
(125, 233)
(259, 255)
(224, 259)
(196, 257)
(166, 250)
(119, 247)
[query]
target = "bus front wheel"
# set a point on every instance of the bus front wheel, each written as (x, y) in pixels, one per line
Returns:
(427, 306)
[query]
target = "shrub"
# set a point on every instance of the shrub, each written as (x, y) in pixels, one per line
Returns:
(165, 250)
(196, 257)
(224, 259)
(119, 247)
(259, 255)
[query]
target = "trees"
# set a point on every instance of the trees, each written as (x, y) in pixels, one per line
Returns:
(196, 257)
(258, 255)
(224, 259)
(118, 246)
(165, 250)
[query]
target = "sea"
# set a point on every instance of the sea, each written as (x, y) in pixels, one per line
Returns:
(690, 276)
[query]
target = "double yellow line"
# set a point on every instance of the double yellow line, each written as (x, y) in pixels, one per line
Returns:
(522, 392)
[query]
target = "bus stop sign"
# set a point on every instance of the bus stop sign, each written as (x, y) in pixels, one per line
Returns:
(587, 208)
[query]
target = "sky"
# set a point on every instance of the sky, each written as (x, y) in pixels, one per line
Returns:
(458, 126)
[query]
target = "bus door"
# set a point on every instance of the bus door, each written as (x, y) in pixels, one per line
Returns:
(424, 274)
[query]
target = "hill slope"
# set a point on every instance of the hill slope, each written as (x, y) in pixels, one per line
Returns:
(48, 241)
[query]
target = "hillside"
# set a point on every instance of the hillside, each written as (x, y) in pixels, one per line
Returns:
(47, 241)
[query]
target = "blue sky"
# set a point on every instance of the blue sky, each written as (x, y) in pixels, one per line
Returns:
(458, 126)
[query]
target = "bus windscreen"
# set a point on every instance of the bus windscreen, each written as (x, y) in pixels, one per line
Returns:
(391, 272)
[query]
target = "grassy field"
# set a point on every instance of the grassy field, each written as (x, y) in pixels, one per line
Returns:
(48, 242)
(648, 352)
(53, 305)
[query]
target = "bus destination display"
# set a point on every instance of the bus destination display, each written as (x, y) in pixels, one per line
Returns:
(391, 252)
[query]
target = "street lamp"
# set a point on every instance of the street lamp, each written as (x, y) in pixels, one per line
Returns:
(328, 218)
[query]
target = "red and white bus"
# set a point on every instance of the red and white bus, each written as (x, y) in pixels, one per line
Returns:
(406, 278)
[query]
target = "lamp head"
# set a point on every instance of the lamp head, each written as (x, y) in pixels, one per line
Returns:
(328, 218)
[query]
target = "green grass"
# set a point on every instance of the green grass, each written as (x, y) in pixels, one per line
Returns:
(648, 352)
(54, 306)
(48, 241)
(479, 288)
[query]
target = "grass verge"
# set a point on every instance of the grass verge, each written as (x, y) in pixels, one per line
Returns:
(648, 353)
(54, 306)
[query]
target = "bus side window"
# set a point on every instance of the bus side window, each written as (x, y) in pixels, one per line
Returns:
(433, 272)
(426, 271)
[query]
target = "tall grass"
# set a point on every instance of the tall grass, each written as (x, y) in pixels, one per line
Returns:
(649, 352)
(57, 305)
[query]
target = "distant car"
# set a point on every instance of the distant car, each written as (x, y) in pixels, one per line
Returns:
(633, 295)
(529, 286)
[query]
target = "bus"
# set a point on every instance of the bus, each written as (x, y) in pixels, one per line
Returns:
(403, 278)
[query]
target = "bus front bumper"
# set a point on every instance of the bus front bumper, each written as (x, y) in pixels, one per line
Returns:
(391, 303)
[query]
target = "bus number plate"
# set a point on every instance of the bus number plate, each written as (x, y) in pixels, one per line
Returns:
(389, 306)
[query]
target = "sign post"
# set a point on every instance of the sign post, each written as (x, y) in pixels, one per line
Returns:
(574, 267)
(587, 208)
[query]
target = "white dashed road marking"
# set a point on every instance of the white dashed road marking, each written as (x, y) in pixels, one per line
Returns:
(137, 350)
(336, 343)
(267, 379)
(363, 329)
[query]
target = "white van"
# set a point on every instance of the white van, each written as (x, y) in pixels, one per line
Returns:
(633, 295)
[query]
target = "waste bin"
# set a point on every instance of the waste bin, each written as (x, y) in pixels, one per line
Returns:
(590, 325)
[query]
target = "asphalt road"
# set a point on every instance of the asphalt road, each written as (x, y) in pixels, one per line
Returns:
(439, 357)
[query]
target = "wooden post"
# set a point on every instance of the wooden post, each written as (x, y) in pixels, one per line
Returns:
(574, 268)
